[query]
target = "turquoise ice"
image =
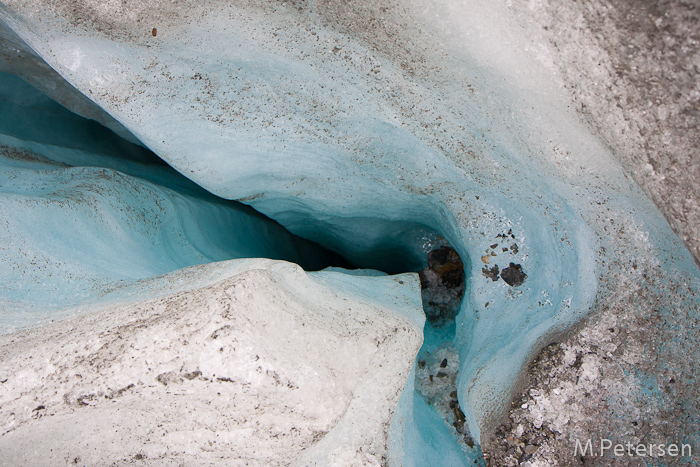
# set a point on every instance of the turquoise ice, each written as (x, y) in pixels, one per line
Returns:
(368, 150)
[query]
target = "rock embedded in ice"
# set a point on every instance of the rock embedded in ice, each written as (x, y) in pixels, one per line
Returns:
(252, 362)
(354, 123)
(513, 275)
(347, 138)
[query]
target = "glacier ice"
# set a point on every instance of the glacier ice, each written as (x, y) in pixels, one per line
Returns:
(81, 223)
(369, 127)
(250, 362)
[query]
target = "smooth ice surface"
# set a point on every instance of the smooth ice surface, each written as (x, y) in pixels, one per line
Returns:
(85, 214)
(346, 149)
(242, 362)
(18, 58)
(374, 123)
(420, 437)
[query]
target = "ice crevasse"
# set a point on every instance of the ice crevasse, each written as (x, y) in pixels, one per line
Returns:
(365, 129)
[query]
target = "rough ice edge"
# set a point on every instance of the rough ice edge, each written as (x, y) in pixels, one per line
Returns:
(135, 362)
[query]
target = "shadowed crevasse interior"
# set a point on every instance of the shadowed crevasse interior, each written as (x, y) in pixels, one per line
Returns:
(41, 137)
(372, 128)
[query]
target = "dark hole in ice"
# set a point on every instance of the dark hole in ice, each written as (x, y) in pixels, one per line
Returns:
(442, 280)
(442, 284)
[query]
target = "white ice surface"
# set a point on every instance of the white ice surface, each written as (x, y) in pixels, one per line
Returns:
(244, 362)
(448, 115)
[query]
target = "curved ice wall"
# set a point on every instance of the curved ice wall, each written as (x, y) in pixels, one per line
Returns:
(87, 214)
(354, 123)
